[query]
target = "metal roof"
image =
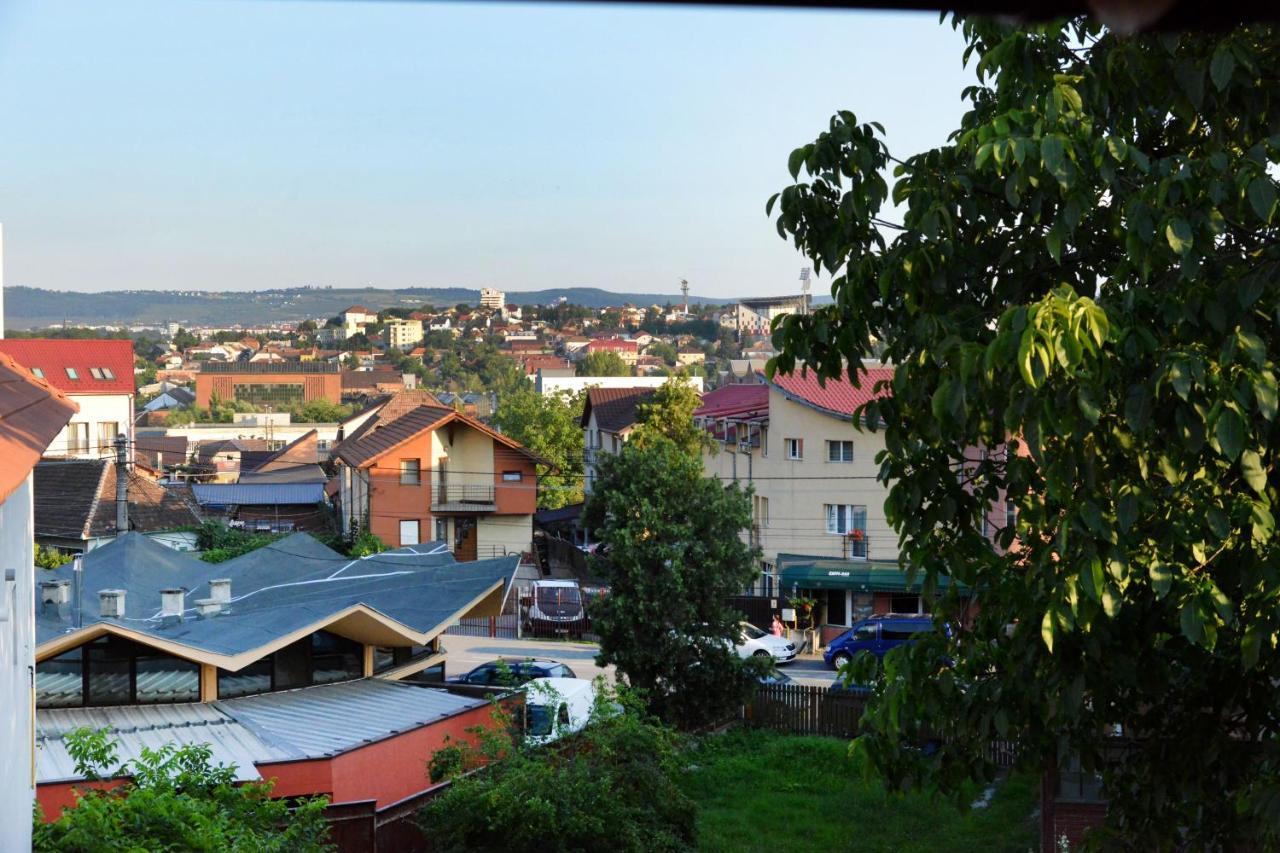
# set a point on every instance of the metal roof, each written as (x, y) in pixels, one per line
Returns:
(257, 494)
(152, 726)
(323, 721)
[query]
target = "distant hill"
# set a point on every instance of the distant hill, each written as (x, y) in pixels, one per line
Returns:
(32, 308)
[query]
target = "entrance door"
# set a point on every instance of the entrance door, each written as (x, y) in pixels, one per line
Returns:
(464, 538)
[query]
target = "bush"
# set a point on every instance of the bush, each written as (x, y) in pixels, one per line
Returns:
(174, 798)
(613, 787)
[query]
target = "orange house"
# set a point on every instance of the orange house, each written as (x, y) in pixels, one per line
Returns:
(420, 473)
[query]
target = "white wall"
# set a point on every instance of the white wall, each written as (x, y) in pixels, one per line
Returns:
(94, 410)
(325, 433)
(497, 535)
(574, 384)
(17, 664)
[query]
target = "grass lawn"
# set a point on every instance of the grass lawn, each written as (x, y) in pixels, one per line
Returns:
(758, 790)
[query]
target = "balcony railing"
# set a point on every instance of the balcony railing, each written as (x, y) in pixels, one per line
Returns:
(462, 496)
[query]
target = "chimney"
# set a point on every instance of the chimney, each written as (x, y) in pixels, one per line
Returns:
(172, 604)
(207, 607)
(56, 596)
(220, 590)
(122, 486)
(111, 603)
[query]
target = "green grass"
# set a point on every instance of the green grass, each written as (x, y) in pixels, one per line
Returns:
(758, 790)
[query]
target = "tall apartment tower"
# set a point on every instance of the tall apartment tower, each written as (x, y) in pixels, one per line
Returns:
(490, 298)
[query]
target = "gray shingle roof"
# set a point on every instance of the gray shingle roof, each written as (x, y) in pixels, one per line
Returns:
(376, 440)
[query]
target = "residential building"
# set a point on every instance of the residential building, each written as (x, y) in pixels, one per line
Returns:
(97, 375)
(401, 334)
(32, 414)
(547, 383)
(493, 299)
(292, 662)
(608, 416)
(373, 382)
(170, 396)
(688, 356)
(815, 474)
(624, 349)
(413, 472)
(755, 316)
(276, 387)
(76, 507)
(533, 363)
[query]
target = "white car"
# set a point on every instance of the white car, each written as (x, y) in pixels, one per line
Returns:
(556, 707)
(757, 642)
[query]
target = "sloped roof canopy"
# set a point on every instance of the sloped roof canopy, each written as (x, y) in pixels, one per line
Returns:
(279, 593)
(32, 413)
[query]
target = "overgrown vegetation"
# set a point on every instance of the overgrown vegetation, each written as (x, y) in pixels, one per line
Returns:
(48, 557)
(218, 542)
(174, 798)
(1086, 270)
(613, 788)
(547, 424)
(759, 790)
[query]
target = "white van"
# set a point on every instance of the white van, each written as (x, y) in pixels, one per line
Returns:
(555, 707)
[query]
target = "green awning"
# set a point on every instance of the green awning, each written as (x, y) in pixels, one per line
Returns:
(855, 575)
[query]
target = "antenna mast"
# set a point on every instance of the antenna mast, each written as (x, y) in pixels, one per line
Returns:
(684, 288)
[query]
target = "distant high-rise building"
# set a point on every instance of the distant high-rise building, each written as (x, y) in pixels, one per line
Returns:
(490, 298)
(403, 334)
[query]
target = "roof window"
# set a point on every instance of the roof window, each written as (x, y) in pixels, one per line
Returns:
(37, 372)
(95, 372)
(71, 373)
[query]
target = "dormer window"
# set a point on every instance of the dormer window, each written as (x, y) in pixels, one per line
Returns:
(71, 373)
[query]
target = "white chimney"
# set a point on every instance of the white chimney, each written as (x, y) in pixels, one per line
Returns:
(207, 607)
(172, 602)
(220, 589)
(55, 592)
(111, 602)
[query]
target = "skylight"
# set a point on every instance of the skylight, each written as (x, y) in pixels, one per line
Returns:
(71, 373)
(37, 372)
(95, 372)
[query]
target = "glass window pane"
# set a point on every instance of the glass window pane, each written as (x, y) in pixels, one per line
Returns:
(161, 678)
(60, 681)
(254, 678)
(110, 667)
(335, 658)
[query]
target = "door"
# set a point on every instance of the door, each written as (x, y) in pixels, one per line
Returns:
(464, 539)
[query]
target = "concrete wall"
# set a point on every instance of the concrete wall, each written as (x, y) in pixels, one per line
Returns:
(17, 661)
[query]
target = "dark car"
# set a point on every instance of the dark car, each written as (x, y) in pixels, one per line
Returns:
(877, 635)
(516, 672)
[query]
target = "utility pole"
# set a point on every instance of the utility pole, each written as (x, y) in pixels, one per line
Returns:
(122, 485)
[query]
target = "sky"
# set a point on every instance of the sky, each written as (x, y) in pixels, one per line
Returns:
(247, 144)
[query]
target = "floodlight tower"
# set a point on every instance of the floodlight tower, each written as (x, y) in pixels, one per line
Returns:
(804, 287)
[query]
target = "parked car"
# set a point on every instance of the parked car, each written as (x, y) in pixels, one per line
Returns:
(877, 635)
(555, 607)
(555, 707)
(762, 643)
(516, 671)
(775, 677)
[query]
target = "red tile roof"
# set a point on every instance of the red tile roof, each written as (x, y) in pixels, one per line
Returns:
(734, 401)
(49, 358)
(32, 413)
(609, 345)
(839, 397)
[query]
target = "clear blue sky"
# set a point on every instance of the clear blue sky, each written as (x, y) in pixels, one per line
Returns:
(241, 144)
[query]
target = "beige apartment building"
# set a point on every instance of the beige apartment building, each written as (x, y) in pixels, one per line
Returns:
(403, 335)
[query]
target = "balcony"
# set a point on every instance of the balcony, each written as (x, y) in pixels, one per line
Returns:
(462, 497)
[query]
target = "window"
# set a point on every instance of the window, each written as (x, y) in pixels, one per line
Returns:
(865, 634)
(71, 373)
(107, 432)
(321, 658)
(795, 448)
(843, 519)
(839, 451)
(986, 526)
(902, 630)
(37, 372)
(410, 472)
(107, 373)
(512, 476)
(409, 532)
(901, 602)
(442, 530)
(77, 438)
(1010, 514)
(95, 372)
(115, 671)
(761, 511)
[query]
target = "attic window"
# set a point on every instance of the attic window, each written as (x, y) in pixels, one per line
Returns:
(71, 373)
(95, 372)
(37, 372)
(108, 373)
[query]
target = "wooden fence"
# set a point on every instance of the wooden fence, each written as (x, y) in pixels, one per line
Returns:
(804, 709)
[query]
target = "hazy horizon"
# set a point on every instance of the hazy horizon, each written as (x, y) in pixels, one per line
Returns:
(222, 145)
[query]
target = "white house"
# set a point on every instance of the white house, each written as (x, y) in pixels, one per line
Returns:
(97, 375)
(32, 414)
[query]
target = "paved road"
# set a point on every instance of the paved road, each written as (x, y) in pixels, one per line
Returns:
(468, 652)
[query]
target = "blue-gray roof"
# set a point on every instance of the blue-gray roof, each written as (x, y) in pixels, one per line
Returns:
(275, 590)
(257, 494)
(316, 722)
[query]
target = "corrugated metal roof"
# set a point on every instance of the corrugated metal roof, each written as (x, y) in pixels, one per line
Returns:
(257, 494)
(137, 726)
(317, 722)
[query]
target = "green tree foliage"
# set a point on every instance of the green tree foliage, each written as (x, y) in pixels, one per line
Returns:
(218, 542)
(175, 798)
(182, 339)
(219, 412)
(1089, 269)
(662, 350)
(613, 788)
(365, 544)
(669, 413)
(549, 425)
(48, 557)
(319, 412)
(603, 363)
(674, 558)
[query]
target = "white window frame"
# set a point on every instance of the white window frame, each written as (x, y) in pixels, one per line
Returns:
(843, 518)
(77, 438)
(404, 471)
(840, 443)
(416, 529)
(795, 449)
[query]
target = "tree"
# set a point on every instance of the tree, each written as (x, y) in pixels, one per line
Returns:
(669, 413)
(603, 363)
(48, 557)
(1087, 271)
(549, 425)
(675, 555)
(615, 788)
(182, 339)
(175, 798)
(319, 412)
(664, 351)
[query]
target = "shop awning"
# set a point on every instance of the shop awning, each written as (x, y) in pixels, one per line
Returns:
(857, 575)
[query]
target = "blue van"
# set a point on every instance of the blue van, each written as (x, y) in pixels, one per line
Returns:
(877, 635)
